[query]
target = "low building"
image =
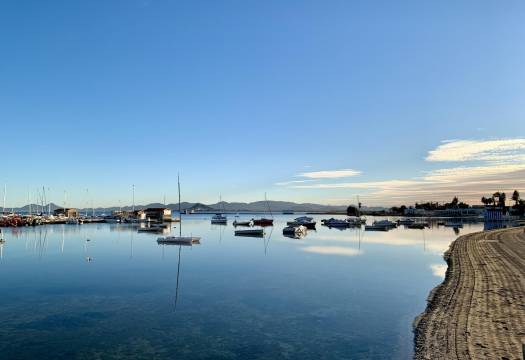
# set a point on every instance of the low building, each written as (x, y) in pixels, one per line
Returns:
(158, 214)
(459, 212)
(67, 212)
(411, 211)
(495, 213)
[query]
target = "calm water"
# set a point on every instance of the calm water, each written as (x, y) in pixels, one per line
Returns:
(331, 295)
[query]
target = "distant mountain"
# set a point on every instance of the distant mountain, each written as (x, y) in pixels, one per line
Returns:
(258, 206)
(276, 206)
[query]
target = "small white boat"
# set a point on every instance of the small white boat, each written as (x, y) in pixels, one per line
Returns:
(242, 223)
(219, 219)
(189, 240)
(250, 232)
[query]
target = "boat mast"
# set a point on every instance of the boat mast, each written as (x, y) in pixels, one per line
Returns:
(44, 199)
(48, 206)
(133, 190)
(268, 204)
(180, 214)
(5, 191)
(87, 202)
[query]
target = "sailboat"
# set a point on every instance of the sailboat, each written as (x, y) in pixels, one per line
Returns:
(179, 240)
(219, 218)
(264, 221)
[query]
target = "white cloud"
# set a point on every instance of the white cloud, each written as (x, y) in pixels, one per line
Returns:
(465, 173)
(293, 182)
(479, 150)
(330, 174)
(498, 165)
(332, 250)
(360, 185)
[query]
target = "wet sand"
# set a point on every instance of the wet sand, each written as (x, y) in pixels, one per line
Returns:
(478, 312)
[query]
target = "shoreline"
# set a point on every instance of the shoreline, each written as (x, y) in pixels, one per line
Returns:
(478, 311)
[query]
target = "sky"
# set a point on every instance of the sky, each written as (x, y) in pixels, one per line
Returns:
(307, 101)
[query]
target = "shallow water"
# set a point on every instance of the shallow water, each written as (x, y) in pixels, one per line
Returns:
(330, 295)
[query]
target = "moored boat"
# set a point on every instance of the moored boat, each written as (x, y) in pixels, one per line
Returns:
(405, 221)
(72, 221)
(381, 225)
(219, 219)
(250, 232)
(417, 225)
(182, 240)
(376, 228)
(294, 230)
(179, 240)
(242, 223)
(355, 221)
(262, 222)
(332, 222)
(305, 221)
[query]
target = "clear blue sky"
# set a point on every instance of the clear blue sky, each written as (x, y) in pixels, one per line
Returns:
(243, 97)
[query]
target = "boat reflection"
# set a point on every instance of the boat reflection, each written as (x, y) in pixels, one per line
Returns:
(179, 264)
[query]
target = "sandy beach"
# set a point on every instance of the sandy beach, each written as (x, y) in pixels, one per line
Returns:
(478, 312)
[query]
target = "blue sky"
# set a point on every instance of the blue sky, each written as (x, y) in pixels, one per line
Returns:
(244, 97)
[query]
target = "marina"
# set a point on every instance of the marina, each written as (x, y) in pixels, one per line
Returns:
(259, 272)
(371, 155)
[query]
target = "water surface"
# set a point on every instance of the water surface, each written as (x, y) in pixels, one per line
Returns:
(330, 295)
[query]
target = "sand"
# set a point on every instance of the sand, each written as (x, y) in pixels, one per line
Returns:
(478, 312)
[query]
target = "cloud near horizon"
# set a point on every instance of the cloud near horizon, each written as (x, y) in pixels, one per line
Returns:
(479, 150)
(330, 174)
(491, 165)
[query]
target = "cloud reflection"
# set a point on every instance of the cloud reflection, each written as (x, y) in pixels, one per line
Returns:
(439, 270)
(332, 250)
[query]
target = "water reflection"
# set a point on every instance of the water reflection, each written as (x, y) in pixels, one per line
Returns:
(332, 294)
(332, 250)
(439, 270)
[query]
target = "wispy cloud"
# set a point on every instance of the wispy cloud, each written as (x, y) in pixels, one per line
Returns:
(359, 185)
(293, 182)
(464, 173)
(479, 150)
(487, 166)
(330, 174)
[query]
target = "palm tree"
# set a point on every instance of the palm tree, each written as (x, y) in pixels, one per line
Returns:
(516, 197)
(502, 198)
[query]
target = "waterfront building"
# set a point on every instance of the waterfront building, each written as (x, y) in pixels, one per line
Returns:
(67, 212)
(158, 214)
